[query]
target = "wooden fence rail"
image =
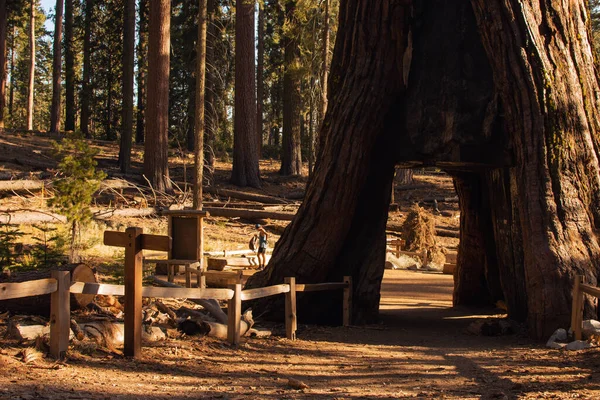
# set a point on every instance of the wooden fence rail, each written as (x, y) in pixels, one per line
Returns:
(59, 286)
(579, 288)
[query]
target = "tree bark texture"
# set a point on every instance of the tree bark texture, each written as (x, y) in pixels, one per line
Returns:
(291, 154)
(156, 154)
(548, 87)
(3, 60)
(128, 66)
(200, 97)
(325, 74)
(70, 110)
(86, 95)
(56, 68)
(245, 152)
(260, 79)
(210, 116)
(142, 53)
(347, 200)
(30, 87)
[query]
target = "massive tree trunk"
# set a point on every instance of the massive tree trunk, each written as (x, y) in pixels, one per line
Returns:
(245, 152)
(30, 86)
(548, 87)
(514, 121)
(142, 65)
(128, 64)
(69, 68)
(156, 154)
(56, 67)
(3, 62)
(86, 90)
(291, 154)
(340, 228)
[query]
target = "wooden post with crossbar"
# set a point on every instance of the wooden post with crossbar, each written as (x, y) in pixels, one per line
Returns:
(134, 241)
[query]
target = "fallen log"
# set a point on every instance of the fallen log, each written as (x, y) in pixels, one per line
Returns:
(246, 196)
(447, 233)
(248, 214)
(210, 305)
(33, 185)
(30, 217)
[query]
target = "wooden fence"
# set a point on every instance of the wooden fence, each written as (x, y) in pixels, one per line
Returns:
(579, 288)
(60, 287)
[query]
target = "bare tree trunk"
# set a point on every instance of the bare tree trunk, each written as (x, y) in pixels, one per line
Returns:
(56, 68)
(245, 153)
(3, 61)
(340, 227)
(142, 52)
(31, 66)
(128, 66)
(156, 154)
(210, 125)
(548, 96)
(260, 79)
(291, 154)
(200, 98)
(84, 123)
(11, 94)
(69, 68)
(325, 76)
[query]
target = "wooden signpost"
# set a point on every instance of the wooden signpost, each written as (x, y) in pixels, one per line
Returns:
(134, 241)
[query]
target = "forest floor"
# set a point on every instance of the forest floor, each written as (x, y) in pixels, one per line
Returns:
(423, 347)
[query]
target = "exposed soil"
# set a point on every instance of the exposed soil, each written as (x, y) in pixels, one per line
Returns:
(421, 348)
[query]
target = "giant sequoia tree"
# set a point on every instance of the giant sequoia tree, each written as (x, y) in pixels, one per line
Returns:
(501, 94)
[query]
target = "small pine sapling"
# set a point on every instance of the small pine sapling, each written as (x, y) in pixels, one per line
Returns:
(78, 181)
(8, 237)
(47, 247)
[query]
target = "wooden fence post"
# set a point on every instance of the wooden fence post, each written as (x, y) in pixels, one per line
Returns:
(577, 308)
(347, 317)
(60, 315)
(234, 314)
(291, 321)
(133, 293)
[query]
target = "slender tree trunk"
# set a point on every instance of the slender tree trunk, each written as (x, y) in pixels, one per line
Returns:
(291, 154)
(11, 94)
(3, 61)
(156, 154)
(245, 153)
(340, 227)
(86, 89)
(128, 66)
(210, 118)
(325, 75)
(31, 65)
(69, 68)
(200, 101)
(142, 52)
(56, 68)
(260, 79)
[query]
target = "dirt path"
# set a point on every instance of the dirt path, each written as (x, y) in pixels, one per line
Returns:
(420, 351)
